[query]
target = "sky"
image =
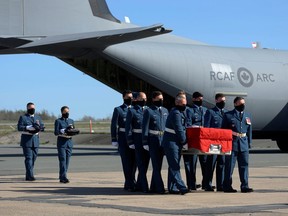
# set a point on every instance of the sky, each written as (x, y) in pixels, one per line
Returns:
(50, 83)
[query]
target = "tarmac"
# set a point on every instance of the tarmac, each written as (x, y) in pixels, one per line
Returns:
(96, 186)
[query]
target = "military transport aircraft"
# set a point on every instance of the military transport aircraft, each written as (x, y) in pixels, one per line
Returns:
(84, 34)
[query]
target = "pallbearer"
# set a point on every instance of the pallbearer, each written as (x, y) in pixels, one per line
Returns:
(152, 131)
(213, 119)
(64, 129)
(133, 130)
(173, 141)
(240, 123)
(30, 125)
(119, 140)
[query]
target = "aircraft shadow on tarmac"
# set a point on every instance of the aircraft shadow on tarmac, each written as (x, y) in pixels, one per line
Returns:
(88, 152)
(82, 191)
(110, 152)
(113, 191)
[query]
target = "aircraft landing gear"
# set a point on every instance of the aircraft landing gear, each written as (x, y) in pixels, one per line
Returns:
(283, 145)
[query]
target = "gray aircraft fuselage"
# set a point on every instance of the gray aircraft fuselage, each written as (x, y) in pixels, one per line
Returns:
(124, 56)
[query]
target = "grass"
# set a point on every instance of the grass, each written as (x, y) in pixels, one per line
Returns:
(97, 127)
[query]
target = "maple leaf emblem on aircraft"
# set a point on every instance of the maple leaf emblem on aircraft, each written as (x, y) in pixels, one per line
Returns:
(245, 76)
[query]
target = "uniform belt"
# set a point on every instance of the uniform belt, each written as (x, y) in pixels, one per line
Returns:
(31, 134)
(155, 132)
(170, 130)
(65, 136)
(122, 129)
(137, 130)
(238, 134)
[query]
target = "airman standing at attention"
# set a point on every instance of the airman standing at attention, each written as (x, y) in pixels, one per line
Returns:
(195, 118)
(133, 131)
(213, 119)
(119, 140)
(240, 123)
(30, 124)
(62, 128)
(152, 132)
(173, 141)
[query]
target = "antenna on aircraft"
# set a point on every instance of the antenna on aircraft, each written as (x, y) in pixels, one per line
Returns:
(127, 20)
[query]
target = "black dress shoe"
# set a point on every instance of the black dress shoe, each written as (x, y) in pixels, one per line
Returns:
(65, 181)
(183, 192)
(30, 178)
(130, 189)
(247, 190)
(174, 192)
(209, 189)
(230, 190)
(198, 185)
(192, 189)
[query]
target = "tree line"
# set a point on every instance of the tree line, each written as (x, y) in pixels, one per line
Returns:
(8, 115)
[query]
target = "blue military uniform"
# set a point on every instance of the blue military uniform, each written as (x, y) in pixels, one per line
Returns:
(242, 137)
(213, 119)
(133, 129)
(153, 127)
(64, 145)
(127, 155)
(173, 140)
(29, 141)
(195, 118)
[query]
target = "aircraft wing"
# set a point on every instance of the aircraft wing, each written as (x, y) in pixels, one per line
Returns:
(91, 40)
(12, 42)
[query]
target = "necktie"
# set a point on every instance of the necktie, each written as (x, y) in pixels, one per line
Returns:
(241, 115)
(201, 116)
(222, 112)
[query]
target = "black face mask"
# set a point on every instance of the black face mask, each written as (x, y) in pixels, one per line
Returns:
(240, 108)
(198, 103)
(141, 103)
(134, 103)
(128, 101)
(221, 104)
(31, 111)
(158, 103)
(181, 108)
(65, 115)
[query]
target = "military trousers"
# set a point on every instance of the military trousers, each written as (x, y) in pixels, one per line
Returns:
(64, 154)
(156, 154)
(243, 162)
(213, 161)
(30, 154)
(128, 162)
(173, 155)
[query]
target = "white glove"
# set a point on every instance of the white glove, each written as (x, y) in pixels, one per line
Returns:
(146, 147)
(30, 128)
(132, 146)
(185, 147)
(115, 144)
(62, 130)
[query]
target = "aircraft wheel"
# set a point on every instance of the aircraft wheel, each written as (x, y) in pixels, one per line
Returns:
(283, 145)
